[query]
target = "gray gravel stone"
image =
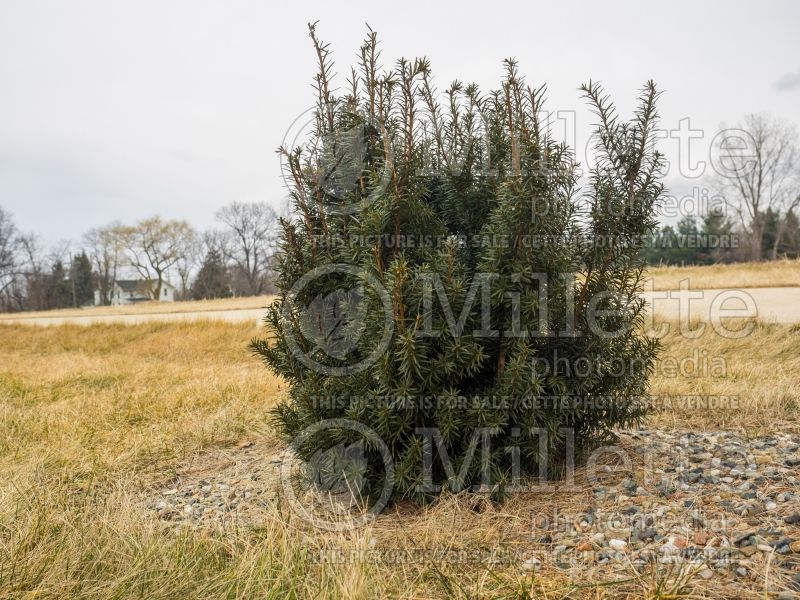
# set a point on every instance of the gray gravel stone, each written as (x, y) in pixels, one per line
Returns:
(713, 499)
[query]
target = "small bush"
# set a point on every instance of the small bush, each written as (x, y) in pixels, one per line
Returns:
(446, 283)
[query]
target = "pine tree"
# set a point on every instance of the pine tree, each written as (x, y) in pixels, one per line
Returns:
(660, 249)
(213, 280)
(81, 280)
(59, 288)
(772, 226)
(790, 240)
(401, 201)
(719, 230)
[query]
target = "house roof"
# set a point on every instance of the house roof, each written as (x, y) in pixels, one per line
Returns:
(138, 285)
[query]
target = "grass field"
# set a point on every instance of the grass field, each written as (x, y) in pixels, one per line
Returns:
(779, 273)
(92, 417)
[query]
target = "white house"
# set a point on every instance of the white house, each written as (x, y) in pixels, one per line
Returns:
(133, 291)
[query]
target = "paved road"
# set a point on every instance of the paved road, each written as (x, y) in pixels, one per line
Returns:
(779, 305)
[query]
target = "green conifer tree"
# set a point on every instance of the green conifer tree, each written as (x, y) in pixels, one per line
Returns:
(81, 280)
(772, 222)
(790, 240)
(213, 279)
(718, 230)
(443, 271)
(59, 288)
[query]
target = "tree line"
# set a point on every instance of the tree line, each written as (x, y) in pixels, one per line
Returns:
(233, 259)
(757, 177)
(714, 238)
(757, 174)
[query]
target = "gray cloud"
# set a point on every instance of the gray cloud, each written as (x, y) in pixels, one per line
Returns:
(788, 82)
(114, 110)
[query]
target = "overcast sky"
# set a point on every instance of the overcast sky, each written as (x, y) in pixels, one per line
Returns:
(121, 110)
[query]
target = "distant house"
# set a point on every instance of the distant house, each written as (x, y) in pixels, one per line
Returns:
(133, 291)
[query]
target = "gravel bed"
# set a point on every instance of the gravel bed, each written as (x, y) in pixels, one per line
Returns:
(717, 505)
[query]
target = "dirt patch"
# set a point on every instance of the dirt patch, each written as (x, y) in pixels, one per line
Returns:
(221, 488)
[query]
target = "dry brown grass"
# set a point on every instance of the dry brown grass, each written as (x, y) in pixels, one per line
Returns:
(92, 417)
(148, 308)
(779, 273)
(713, 382)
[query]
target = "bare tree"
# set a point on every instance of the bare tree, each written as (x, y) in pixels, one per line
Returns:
(249, 237)
(215, 240)
(187, 263)
(105, 247)
(33, 290)
(9, 251)
(154, 246)
(758, 166)
(22, 269)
